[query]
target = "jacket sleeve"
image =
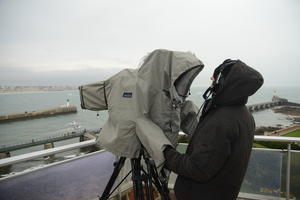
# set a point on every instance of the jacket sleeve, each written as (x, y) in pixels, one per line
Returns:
(207, 154)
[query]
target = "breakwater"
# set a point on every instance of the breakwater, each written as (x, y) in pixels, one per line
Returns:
(276, 101)
(38, 114)
(266, 105)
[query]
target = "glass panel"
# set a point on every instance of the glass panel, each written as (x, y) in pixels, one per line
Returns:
(295, 176)
(79, 179)
(263, 175)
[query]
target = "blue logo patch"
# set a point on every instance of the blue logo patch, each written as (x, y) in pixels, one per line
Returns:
(127, 94)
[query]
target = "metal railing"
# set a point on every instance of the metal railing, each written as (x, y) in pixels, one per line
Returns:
(37, 154)
(44, 140)
(39, 141)
(48, 152)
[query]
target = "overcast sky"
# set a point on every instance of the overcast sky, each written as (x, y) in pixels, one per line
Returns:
(72, 42)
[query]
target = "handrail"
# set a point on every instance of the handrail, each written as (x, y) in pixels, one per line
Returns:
(36, 154)
(277, 139)
(47, 152)
(39, 141)
(272, 139)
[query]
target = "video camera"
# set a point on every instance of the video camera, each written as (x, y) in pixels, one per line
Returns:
(145, 105)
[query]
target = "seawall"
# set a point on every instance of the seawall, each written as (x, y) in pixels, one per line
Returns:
(38, 114)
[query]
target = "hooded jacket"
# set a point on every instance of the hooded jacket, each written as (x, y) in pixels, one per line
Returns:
(217, 156)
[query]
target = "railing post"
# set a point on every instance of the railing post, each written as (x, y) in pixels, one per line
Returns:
(288, 171)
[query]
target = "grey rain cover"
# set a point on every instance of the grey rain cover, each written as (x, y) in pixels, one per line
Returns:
(143, 104)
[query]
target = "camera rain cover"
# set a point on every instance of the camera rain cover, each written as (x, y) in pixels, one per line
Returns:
(144, 104)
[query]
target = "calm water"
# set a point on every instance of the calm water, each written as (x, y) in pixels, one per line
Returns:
(14, 132)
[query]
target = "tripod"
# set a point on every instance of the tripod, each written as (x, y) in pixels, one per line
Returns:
(139, 175)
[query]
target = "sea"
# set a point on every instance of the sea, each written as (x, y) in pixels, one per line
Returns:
(26, 130)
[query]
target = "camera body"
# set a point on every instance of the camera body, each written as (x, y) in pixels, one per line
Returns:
(145, 105)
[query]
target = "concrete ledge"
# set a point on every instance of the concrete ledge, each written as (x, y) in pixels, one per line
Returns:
(38, 114)
(248, 196)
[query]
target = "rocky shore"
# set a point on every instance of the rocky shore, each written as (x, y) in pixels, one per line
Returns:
(262, 129)
(292, 111)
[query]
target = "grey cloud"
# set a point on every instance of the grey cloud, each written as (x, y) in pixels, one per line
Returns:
(51, 33)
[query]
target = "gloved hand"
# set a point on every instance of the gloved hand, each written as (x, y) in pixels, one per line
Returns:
(167, 149)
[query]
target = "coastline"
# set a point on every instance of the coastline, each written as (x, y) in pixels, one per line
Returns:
(12, 89)
(33, 91)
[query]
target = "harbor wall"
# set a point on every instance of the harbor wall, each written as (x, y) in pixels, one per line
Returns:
(38, 114)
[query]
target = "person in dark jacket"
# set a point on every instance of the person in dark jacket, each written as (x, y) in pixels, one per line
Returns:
(217, 156)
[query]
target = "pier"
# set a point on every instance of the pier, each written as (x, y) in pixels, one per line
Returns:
(48, 142)
(276, 101)
(38, 114)
(266, 105)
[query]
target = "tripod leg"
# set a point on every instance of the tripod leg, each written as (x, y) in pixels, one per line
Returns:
(137, 179)
(165, 183)
(106, 193)
(148, 190)
(160, 185)
(149, 187)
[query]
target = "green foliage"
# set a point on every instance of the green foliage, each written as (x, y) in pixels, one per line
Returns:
(279, 145)
(256, 145)
(293, 134)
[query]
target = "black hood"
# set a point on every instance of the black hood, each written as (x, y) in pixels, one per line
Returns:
(241, 82)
